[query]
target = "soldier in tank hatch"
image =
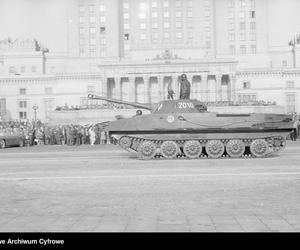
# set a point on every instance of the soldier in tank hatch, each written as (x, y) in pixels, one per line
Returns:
(185, 87)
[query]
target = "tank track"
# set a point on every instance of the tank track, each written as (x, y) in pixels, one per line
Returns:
(202, 148)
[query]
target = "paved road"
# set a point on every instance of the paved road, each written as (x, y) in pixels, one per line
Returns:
(103, 188)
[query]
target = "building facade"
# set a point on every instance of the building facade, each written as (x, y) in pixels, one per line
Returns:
(231, 50)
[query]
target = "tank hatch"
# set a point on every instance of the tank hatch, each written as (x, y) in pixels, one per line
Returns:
(180, 106)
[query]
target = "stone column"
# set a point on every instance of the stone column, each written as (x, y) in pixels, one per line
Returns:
(190, 79)
(204, 88)
(104, 86)
(218, 87)
(175, 87)
(146, 88)
(132, 89)
(118, 87)
(232, 88)
(160, 80)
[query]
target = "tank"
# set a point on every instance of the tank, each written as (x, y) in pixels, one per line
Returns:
(184, 128)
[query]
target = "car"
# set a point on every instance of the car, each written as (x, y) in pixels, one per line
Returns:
(11, 141)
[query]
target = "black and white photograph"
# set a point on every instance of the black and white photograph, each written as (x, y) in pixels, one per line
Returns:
(149, 116)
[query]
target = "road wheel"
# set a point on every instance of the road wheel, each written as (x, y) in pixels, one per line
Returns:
(2, 144)
(169, 149)
(259, 148)
(235, 148)
(125, 142)
(146, 150)
(214, 148)
(192, 149)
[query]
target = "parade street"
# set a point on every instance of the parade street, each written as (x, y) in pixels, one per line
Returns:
(104, 188)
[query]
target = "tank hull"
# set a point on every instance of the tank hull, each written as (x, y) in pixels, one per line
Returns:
(202, 135)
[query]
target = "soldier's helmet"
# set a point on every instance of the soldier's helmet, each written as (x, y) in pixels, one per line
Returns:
(183, 77)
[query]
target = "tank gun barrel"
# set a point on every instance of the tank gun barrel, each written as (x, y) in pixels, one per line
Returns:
(133, 104)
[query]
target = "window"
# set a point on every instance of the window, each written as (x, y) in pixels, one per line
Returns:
(253, 49)
(92, 19)
(93, 41)
(143, 26)
(252, 4)
(91, 8)
(143, 36)
(231, 37)
(243, 49)
(178, 24)
(103, 41)
(190, 3)
(91, 88)
(126, 26)
(242, 15)
(284, 63)
(23, 104)
(126, 15)
(231, 26)
(178, 35)
(22, 69)
(290, 103)
(166, 35)
(93, 30)
(48, 90)
(33, 69)
(126, 47)
(81, 41)
(178, 14)
(178, 3)
(154, 25)
(208, 44)
(12, 70)
(166, 4)
(93, 51)
(102, 29)
(290, 84)
(125, 5)
(22, 115)
(102, 8)
(242, 3)
(102, 19)
(166, 14)
(190, 14)
(154, 14)
(207, 13)
(81, 19)
(231, 49)
(155, 36)
(253, 36)
(103, 53)
(81, 31)
(166, 25)
(242, 36)
(142, 15)
(81, 8)
(252, 25)
(154, 4)
(242, 26)
(231, 14)
(246, 85)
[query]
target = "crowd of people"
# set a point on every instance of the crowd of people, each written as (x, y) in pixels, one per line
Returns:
(43, 134)
(37, 133)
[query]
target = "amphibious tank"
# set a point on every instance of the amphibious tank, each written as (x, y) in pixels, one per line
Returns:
(184, 128)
